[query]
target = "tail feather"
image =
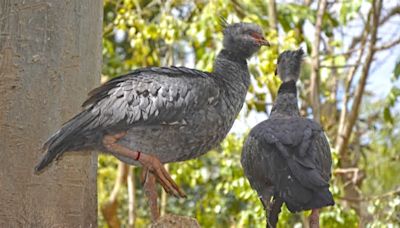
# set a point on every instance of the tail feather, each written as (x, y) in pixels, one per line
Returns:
(318, 199)
(308, 176)
(300, 196)
(64, 139)
(303, 188)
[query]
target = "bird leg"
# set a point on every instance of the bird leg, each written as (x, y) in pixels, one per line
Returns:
(149, 184)
(149, 162)
(314, 218)
(273, 211)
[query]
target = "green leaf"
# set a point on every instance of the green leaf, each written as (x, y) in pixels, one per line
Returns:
(396, 71)
(387, 116)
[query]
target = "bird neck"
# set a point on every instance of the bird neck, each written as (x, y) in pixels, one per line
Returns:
(232, 75)
(232, 68)
(286, 101)
(232, 56)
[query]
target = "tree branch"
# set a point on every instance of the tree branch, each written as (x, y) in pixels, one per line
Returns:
(369, 198)
(356, 173)
(349, 80)
(109, 208)
(272, 18)
(238, 8)
(388, 45)
(131, 196)
(347, 53)
(316, 62)
(109, 28)
(392, 12)
(344, 136)
(338, 66)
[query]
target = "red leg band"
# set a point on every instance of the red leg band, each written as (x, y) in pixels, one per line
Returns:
(138, 156)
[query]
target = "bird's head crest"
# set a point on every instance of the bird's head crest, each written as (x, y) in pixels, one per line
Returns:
(289, 65)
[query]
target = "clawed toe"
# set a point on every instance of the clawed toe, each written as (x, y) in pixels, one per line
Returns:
(168, 183)
(154, 165)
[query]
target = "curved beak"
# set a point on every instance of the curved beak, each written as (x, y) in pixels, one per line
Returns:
(259, 38)
(263, 42)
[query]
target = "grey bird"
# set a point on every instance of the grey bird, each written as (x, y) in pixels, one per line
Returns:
(158, 115)
(287, 158)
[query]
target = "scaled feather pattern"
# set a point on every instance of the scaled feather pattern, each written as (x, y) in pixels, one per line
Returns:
(172, 113)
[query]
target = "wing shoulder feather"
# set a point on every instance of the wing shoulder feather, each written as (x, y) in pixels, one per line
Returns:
(150, 95)
(323, 155)
(312, 161)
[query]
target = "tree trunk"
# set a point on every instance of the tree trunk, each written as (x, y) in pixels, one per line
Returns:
(50, 56)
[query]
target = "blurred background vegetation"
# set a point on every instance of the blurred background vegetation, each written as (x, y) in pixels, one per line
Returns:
(350, 83)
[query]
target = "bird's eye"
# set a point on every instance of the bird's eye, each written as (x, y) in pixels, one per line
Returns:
(256, 35)
(248, 32)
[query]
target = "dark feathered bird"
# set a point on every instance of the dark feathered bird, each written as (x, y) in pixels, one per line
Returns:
(288, 157)
(158, 115)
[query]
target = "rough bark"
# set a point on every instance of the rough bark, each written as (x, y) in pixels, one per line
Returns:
(50, 56)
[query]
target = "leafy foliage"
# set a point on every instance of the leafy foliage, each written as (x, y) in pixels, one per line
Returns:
(139, 33)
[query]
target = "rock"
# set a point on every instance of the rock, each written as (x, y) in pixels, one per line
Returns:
(175, 221)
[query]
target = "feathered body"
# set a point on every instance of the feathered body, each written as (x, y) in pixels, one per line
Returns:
(173, 113)
(287, 156)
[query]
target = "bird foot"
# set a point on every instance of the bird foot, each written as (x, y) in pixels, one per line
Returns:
(274, 210)
(148, 162)
(153, 165)
(314, 218)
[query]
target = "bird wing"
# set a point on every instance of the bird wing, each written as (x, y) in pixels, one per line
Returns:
(302, 143)
(256, 162)
(261, 159)
(154, 95)
(321, 150)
